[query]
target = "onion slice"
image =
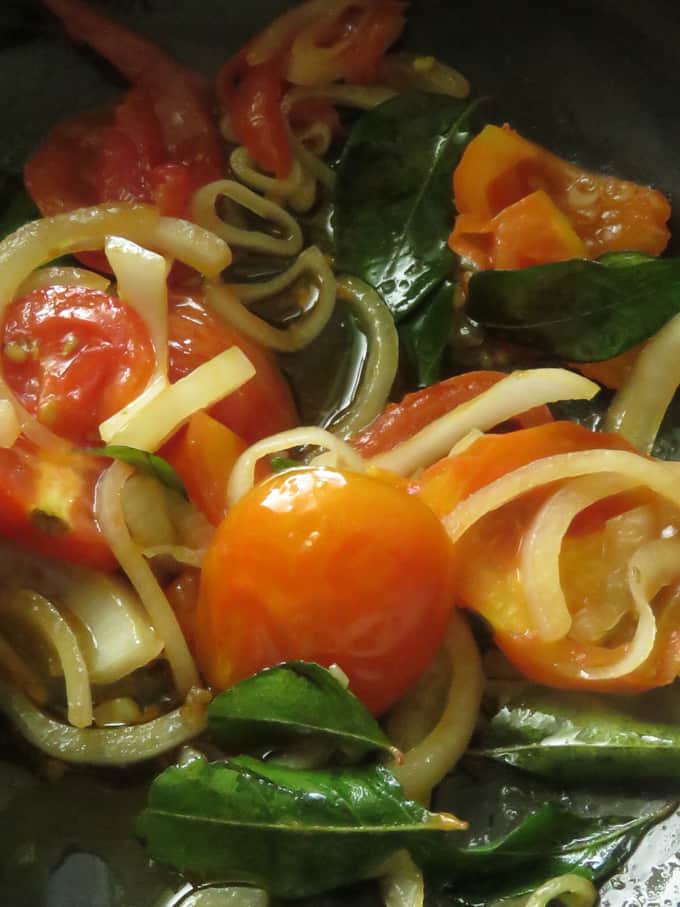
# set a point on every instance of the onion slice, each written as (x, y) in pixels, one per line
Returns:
(515, 394)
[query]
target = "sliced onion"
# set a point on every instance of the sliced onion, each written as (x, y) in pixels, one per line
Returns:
(541, 546)
(242, 476)
(515, 394)
(415, 72)
(228, 303)
(35, 611)
(382, 360)
(141, 283)
(147, 422)
(429, 760)
(579, 891)
(10, 429)
(109, 514)
(101, 746)
(402, 885)
(638, 408)
(204, 210)
(189, 243)
(59, 276)
(117, 637)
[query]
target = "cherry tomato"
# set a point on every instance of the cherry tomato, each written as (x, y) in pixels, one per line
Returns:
(74, 357)
(46, 503)
(261, 407)
(403, 420)
(330, 567)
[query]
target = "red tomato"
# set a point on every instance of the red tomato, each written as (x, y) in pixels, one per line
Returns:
(372, 35)
(331, 567)
(46, 502)
(258, 122)
(74, 357)
(261, 407)
(403, 420)
(158, 145)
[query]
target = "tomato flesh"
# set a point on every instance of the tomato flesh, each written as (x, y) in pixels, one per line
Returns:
(263, 406)
(74, 357)
(331, 567)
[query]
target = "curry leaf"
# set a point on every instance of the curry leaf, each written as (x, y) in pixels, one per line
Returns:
(142, 461)
(393, 202)
(567, 736)
(543, 830)
(292, 832)
(424, 336)
(297, 699)
(582, 311)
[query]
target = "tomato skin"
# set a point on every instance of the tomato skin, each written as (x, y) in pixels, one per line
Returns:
(485, 559)
(157, 145)
(499, 169)
(46, 503)
(74, 357)
(305, 566)
(263, 406)
(403, 420)
(204, 453)
(379, 29)
(258, 122)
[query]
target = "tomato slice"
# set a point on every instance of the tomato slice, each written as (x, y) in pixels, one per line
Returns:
(203, 454)
(303, 567)
(74, 357)
(500, 169)
(485, 559)
(263, 406)
(46, 503)
(403, 420)
(158, 145)
(256, 117)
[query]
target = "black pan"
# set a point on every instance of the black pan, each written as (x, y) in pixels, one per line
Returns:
(597, 82)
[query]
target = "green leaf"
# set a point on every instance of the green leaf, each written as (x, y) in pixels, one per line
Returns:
(292, 832)
(143, 461)
(576, 737)
(298, 699)
(581, 311)
(523, 831)
(393, 201)
(425, 335)
(280, 464)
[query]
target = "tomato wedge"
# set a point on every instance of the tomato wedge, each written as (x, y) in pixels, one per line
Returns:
(498, 227)
(403, 420)
(485, 559)
(158, 145)
(263, 406)
(46, 503)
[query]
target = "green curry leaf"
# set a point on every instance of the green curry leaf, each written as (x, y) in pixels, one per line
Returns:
(293, 700)
(143, 461)
(581, 311)
(424, 336)
(393, 201)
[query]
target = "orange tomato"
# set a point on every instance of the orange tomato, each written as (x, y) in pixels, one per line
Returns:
(203, 454)
(328, 566)
(500, 168)
(485, 559)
